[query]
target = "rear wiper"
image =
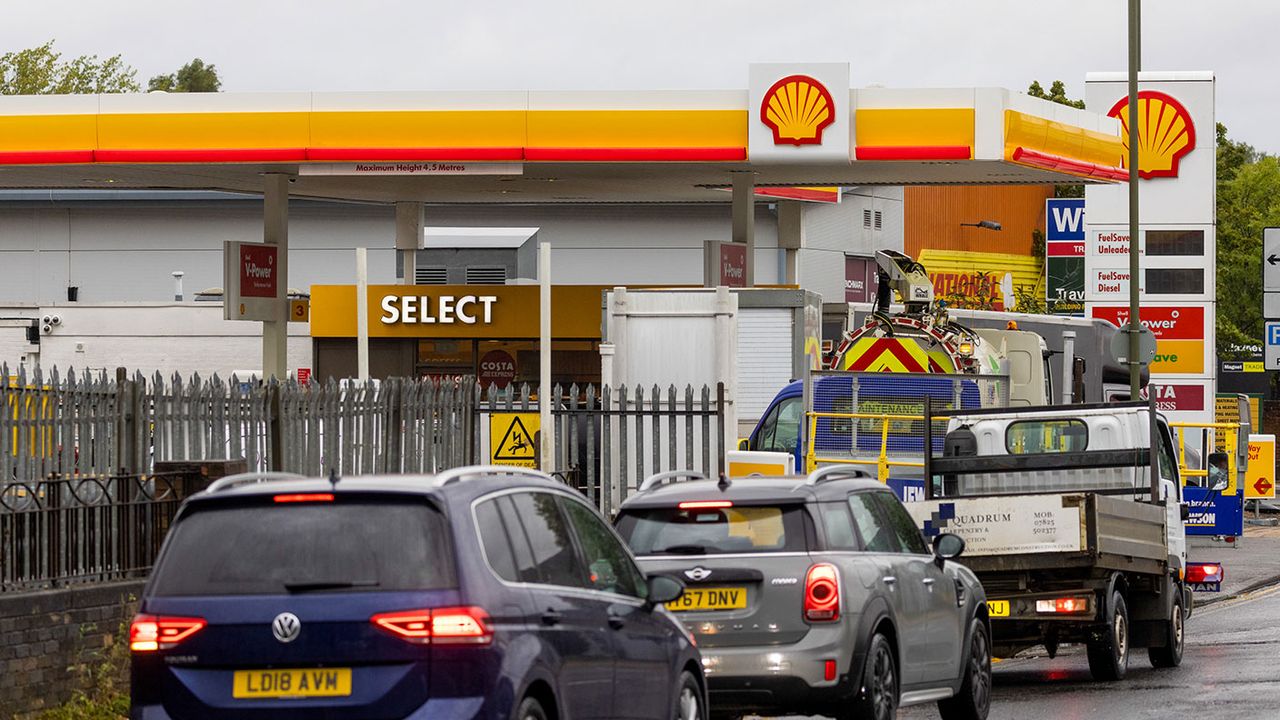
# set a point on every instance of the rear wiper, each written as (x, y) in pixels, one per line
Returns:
(685, 550)
(314, 585)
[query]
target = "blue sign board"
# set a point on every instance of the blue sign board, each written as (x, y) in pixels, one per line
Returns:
(1065, 218)
(1213, 513)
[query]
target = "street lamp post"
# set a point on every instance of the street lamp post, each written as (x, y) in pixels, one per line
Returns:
(984, 224)
(1135, 65)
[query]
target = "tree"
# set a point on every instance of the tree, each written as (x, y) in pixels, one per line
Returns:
(1248, 201)
(195, 76)
(41, 71)
(1057, 93)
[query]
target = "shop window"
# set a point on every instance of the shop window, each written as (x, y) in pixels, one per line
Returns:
(1175, 281)
(486, 275)
(1165, 243)
(431, 276)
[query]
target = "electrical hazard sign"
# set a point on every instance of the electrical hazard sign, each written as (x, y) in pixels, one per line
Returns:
(513, 439)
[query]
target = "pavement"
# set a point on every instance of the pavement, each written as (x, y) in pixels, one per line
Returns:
(1252, 562)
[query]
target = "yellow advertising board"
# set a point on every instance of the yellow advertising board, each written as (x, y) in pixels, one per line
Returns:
(1181, 357)
(961, 277)
(1224, 411)
(513, 439)
(1260, 475)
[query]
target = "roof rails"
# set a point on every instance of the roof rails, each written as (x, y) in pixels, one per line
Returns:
(673, 476)
(462, 473)
(834, 472)
(249, 478)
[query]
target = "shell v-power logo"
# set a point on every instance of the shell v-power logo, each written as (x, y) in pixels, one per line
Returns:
(1165, 133)
(797, 109)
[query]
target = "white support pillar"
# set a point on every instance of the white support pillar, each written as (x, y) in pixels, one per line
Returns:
(410, 223)
(791, 235)
(744, 219)
(548, 445)
(275, 231)
(362, 314)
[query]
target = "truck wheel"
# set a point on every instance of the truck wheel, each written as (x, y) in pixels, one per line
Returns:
(877, 696)
(973, 702)
(1109, 655)
(1171, 654)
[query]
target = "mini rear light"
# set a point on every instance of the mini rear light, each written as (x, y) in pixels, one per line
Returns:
(822, 593)
(829, 670)
(705, 504)
(304, 497)
(440, 626)
(1064, 606)
(148, 633)
(1204, 573)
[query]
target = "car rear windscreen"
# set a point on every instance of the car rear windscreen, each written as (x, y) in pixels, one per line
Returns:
(713, 531)
(340, 546)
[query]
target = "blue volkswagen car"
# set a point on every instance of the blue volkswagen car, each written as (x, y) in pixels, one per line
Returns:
(478, 593)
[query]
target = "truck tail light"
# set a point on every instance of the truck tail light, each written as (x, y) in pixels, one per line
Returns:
(822, 593)
(1206, 572)
(438, 626)
(148, 633)
(1064, 605)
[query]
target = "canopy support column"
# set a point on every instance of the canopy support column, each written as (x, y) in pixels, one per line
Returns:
(790, 236)
(275, 231)
(744, 220)
(410, 222)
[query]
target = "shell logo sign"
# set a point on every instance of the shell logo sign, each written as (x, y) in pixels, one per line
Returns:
(797, 109)
(1165, 133)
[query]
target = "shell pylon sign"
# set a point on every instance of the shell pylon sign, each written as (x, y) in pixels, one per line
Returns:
(797, 109)
(872, 354)
(1165, 133)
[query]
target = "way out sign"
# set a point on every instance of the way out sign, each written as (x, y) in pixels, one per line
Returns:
(1260, 475)
(513, 439)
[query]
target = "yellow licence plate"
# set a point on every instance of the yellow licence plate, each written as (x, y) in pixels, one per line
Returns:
(310, 682)
(717, 598)
(998, 608)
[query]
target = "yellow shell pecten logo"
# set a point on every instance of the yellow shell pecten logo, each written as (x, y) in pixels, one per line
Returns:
(797, 109)
(1165, 133)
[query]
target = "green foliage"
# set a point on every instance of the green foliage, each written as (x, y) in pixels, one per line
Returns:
(1232, 155)
(42, 71)
(1248, 202)
(107, 677)
(1029, 299)
(1057, 93)
(195, 76)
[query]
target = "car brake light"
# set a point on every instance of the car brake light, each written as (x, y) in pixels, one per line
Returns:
(304, 497)
(1204, 573)
(822, 593)
(705, 504)
(148, 633)
(440, 626)
(1065, 606)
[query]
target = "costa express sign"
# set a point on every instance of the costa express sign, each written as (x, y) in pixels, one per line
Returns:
(1179, 333)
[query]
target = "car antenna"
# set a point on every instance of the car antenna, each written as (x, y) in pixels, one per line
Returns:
(724, 482)
(333, 476)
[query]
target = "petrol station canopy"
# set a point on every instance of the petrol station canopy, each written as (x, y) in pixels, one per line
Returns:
(544, 147)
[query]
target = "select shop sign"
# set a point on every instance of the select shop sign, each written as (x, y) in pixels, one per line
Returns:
(1179, 331)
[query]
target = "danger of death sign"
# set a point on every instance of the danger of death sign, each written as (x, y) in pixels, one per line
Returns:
(513, 439)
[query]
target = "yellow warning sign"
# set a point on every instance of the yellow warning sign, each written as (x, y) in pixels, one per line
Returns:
(1260, 477)
(300, 310)
(512, 439)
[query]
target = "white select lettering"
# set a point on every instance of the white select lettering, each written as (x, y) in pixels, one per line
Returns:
(390, 313)
(411, 309)
(444, 309)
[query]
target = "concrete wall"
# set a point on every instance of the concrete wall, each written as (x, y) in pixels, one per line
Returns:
(833, 231)
(51, 642)
(165, 337)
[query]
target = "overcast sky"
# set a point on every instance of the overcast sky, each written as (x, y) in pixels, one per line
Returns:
(274, 45)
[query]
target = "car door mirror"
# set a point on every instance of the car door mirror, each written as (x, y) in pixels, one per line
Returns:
(947, 546)
(663, 589)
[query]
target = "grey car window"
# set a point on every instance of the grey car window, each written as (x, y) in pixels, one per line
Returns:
(875, 535)
(497, 546)
(841, 534)
(548, 535)
(903, 525)
(611, 569)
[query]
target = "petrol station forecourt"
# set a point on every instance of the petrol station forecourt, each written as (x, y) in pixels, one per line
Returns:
(471, 148)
